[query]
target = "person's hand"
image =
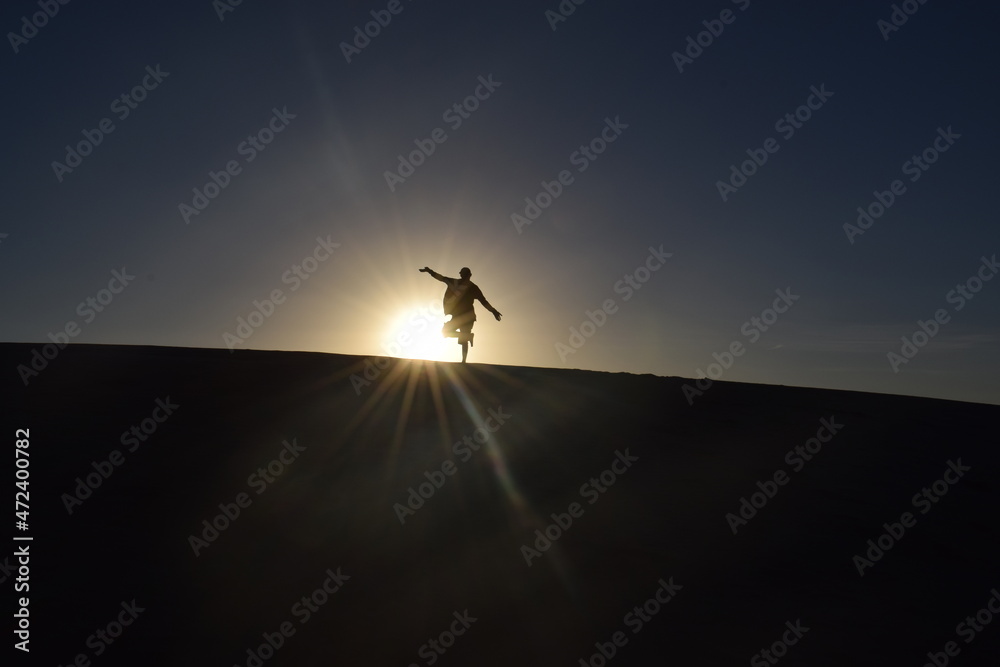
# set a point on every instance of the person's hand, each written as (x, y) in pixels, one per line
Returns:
(496, 314)
(425, 270)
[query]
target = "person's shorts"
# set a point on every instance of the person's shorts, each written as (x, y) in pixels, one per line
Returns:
(462, 323)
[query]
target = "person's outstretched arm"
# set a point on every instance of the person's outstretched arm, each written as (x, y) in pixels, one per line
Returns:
(486, 304)
(434, 274)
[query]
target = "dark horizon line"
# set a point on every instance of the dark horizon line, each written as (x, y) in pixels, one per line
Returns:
(553, 368)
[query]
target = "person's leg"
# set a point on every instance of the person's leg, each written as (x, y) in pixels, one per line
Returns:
(453, 327)
(465, 332)
(465, 337)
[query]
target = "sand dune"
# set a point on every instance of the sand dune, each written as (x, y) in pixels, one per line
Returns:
(193, 506)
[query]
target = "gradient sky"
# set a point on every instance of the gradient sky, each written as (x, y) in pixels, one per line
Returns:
(323, 176)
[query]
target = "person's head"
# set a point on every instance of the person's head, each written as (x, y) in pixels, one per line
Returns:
(465, 273)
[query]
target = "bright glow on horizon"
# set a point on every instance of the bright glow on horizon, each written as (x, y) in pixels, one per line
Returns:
(415, 333)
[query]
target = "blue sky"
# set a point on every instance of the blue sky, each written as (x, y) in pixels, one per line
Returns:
(552, 92)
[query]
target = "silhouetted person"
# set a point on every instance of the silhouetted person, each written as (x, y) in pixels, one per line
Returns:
(458, 302)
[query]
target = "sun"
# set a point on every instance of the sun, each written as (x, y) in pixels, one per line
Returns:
(415, 333)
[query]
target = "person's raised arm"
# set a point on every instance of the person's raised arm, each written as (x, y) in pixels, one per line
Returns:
(434, 274)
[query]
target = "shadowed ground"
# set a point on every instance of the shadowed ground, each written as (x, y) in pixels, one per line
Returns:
(355, 450)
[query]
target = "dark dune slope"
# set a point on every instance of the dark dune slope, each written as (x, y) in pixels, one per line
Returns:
(649, 478)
